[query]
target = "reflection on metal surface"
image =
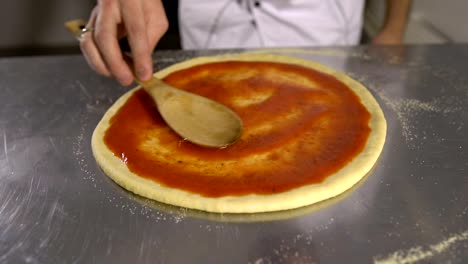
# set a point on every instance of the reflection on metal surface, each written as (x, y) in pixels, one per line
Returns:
(246, 218)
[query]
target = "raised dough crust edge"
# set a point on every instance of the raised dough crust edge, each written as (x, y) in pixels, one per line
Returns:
(306, 195)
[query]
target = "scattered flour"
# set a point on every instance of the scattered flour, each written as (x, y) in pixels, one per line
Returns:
(78, 150)
(407, 111)
(148, 209)
(420, 253)
(296, 249)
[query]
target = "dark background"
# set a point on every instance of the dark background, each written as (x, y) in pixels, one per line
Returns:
(31, 28)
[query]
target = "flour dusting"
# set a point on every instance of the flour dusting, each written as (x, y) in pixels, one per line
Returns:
(82, 152)
(420, 253)
(299, 248)
(407, 111)
(78, 150)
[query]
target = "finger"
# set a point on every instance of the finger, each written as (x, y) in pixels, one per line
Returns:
(156, 22)
(92, 55)
(105, 37)
(137, 38)
(90, 51)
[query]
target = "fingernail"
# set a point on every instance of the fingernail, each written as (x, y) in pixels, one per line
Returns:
(143, 73)
(125, 81)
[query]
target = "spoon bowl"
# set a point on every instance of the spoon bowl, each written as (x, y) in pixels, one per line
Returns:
(195, 118)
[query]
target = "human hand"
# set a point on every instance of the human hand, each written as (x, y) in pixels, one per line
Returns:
(387, 37)
(396, 17)
(142, 21)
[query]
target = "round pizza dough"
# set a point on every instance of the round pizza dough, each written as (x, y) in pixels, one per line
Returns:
(332, 186)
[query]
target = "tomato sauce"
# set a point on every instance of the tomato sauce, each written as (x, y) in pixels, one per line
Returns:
(308, 124)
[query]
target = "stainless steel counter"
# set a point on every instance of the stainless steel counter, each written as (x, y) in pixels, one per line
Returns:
(56, 206)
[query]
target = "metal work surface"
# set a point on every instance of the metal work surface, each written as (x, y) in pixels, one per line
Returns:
(56, 206)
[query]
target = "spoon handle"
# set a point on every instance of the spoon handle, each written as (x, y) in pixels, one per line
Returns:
(156, 88)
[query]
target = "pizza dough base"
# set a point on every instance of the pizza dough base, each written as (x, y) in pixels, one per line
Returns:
(333, 185)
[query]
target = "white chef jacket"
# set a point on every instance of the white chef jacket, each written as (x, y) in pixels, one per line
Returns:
(212, 24)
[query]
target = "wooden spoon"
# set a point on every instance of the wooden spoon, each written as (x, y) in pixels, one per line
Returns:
(195, 118)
